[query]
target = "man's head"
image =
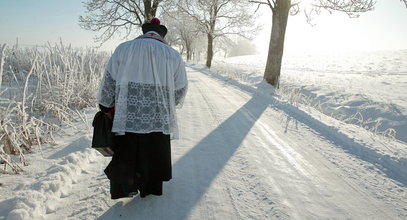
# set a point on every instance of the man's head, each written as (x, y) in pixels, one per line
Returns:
(154, 25)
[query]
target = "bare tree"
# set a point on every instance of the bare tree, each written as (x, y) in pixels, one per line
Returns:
(113, 16)
(183, 31)
(199, 47)
(281, 10)
(224, 45)
(217, 18)
(187, 38)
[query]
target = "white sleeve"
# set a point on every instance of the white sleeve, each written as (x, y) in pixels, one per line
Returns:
(181, 84)
(107, 90)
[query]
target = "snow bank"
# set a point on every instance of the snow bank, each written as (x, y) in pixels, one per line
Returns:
(35, 200)
(362, 88)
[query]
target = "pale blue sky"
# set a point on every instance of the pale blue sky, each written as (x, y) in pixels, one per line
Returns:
(41, 21)
(36, 22)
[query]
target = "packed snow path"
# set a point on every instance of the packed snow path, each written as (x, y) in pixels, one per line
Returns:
(243, 154)
(241, 157)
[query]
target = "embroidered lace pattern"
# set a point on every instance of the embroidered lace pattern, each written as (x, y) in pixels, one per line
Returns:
(146, 110)
(107, 92)
(142, 108)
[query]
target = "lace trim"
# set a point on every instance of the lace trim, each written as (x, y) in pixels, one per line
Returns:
(148, 108)
(107, 94)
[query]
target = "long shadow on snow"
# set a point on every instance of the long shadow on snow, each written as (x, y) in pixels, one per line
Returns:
(195, 171)
(394, 168)
(188, 186)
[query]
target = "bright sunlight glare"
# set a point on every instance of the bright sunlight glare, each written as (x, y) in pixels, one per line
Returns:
(380, 29)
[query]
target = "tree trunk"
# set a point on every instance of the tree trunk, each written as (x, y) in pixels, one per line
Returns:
(189, 50)
(189, 54)
(276, 46)
(2, 56)
(150, 10)
(155, 7)
(147, 11)
(209, 54)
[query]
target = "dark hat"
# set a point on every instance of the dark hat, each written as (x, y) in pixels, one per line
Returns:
(154, 25)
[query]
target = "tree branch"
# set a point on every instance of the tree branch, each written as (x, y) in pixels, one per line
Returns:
(350, 7)
(110, 16)
(271, 5)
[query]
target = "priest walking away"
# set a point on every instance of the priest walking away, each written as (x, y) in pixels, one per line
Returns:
(144, 81)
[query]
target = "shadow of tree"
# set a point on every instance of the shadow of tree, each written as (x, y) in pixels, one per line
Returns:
(196, 170)
(394, 168)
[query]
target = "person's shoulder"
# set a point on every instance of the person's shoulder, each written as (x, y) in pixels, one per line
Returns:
(148, 42)
(173, 50)
(151, 42)
(121, 47)
(170, 50)
(124, 44)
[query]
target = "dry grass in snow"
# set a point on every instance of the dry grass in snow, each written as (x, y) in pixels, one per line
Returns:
(42, 89)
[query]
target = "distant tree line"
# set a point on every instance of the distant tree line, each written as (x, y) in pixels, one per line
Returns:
(194, 25)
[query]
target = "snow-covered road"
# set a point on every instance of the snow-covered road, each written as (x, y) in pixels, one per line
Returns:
(243, 154)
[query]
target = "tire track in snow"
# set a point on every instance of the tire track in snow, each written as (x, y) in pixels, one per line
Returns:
(253, 180)
(222, 193)
(306, 171)
(231, 100)
(310, 172)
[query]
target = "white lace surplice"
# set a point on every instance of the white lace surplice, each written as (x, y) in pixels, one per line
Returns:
(144, 80)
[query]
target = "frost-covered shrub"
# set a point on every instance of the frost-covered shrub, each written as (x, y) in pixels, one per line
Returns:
(42, 88)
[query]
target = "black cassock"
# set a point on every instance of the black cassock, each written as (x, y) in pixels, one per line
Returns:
(141, 162)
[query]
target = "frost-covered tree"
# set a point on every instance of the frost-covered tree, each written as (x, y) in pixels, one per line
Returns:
(224, 45)
(199, 47)
(111, 17)
(281, 9)
(183, 32)
(217, 18)
(187, 36)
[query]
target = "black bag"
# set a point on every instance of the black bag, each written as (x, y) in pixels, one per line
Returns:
(103, 138)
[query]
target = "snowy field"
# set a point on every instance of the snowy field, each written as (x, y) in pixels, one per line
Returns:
(363, 88)
(329, 144)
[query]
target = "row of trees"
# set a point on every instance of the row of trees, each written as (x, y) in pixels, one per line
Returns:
(189, 21)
